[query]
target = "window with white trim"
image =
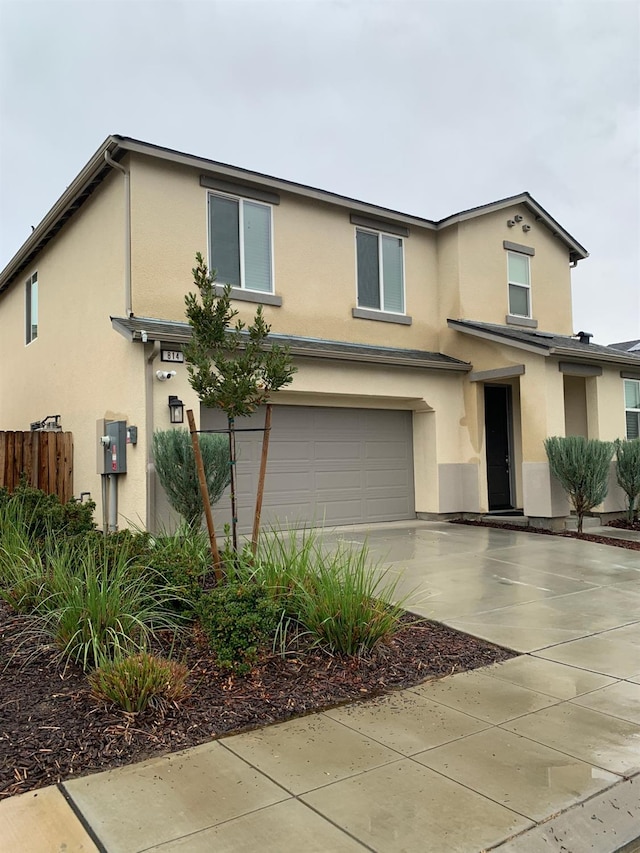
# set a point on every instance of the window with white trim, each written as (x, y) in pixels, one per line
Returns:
(519, 284)
(380, 271)
(31, 308)
(240, 243)
(632, 407)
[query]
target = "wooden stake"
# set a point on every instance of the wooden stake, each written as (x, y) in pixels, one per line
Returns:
(205, 497)
(261, 478)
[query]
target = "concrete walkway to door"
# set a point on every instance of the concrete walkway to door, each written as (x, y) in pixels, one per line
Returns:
(474, 761)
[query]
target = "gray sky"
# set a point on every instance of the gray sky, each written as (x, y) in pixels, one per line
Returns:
(425, 107)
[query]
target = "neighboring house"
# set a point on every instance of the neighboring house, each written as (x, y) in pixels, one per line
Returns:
(433, 357)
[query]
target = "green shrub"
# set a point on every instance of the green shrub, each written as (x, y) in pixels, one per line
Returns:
(100, 608)
(140, 680)
(339, 595)
(238, 620)
(176, 468)
(181, 561)
(628, 472)
(581, 466)
(45, 514)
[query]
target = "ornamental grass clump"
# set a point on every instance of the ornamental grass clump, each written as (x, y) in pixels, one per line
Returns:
(23, 572)
(135, 682)
(581, 466)
(628, 472)
(100, 608)
(338, 594)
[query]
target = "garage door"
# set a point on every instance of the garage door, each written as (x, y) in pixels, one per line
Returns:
(326, 465)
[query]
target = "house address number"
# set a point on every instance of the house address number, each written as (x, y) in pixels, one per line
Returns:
(174, 355)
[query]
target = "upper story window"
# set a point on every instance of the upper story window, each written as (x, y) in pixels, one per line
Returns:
(380, 271)
(519, 284)
(632, 407)
(31, 308)
(240, 249)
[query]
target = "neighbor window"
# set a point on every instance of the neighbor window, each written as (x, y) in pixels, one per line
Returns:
(632, 407)
(519, 285)
(240, 242)
(31, 308)
(380, 271)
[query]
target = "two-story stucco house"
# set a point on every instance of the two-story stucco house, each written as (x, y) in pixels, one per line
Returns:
(433, 357)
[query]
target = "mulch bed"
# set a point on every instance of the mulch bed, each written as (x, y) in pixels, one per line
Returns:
(52, 728)
(567, 534)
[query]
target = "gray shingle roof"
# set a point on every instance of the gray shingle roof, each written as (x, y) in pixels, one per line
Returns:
(627, 346)
(546, 342)
(170, 332)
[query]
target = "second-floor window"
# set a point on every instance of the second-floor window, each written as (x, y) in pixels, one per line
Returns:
(31, 308)
(632, 407)
(240, 242)
(380, 271)
(519, 284)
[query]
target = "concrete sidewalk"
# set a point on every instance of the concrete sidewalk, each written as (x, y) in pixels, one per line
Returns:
(474, 761)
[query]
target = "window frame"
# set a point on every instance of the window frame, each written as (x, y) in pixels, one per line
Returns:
(633, 408)
(30, 337)
(380, 233)
(526, 287)
(241, 202)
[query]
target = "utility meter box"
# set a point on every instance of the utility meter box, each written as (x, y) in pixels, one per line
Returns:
(115, 447)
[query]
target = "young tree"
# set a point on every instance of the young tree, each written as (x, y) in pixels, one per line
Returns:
(582, 467)
(176, 468)
(231, 367)
(628, 471)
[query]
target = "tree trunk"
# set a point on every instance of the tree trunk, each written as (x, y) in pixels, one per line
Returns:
(232, 458)
(217, 568)
(261, 477)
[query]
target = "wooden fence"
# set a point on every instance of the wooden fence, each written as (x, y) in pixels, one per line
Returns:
(44, 458)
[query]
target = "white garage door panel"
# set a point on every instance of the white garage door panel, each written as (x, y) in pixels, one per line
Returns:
(340, 466)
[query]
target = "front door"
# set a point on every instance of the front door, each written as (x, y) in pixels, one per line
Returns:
(497, 415)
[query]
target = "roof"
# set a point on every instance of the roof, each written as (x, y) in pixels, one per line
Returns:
(116, 147)
(546, 343)
(142, 329)
(627, 346)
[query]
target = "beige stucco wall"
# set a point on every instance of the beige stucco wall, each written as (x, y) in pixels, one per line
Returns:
(78, 366)
(314, 262)
(473, 270)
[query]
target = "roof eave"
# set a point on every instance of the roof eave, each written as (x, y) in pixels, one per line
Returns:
(77, 191)
(577, 252)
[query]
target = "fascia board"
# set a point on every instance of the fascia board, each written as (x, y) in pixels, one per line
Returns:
(238, 174)
(596, 357)
(527, 201)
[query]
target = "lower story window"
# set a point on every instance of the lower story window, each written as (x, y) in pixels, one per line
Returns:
(632, 407)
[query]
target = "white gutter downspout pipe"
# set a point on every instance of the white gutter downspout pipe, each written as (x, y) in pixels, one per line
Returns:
(127, 232)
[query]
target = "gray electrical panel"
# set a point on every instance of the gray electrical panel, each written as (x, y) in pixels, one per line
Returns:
(115, 451)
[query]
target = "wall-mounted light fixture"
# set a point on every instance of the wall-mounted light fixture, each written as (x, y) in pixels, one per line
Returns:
(176, 410)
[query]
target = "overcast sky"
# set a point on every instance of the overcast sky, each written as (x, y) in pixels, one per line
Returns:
(425, 107)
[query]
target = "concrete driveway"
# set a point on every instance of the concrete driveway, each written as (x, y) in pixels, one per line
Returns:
(528, 755)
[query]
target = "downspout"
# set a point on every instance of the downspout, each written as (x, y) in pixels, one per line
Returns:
(151, 491)
(127, 232)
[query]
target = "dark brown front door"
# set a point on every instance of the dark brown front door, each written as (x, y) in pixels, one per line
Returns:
(497, 415)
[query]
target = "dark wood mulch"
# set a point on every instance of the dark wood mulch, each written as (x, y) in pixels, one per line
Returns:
(625, 524)
(52, 728)
(567, 534)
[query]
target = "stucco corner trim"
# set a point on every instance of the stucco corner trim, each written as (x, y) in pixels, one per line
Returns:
(251, 296)
(526, 322)
(381, 316)
(497, 373)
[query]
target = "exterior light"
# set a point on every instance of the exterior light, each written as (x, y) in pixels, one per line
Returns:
(176, 410)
